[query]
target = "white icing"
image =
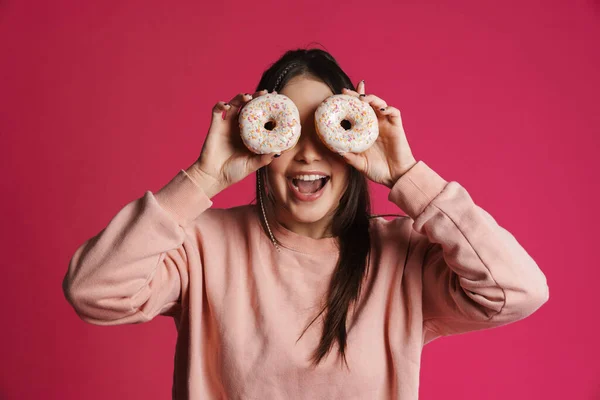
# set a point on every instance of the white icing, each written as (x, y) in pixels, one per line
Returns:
(269, 107)
(363, 132)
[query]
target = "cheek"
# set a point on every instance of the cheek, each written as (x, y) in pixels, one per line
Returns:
(340, 187)
(276, 170)
(341, 172)
(277, 182)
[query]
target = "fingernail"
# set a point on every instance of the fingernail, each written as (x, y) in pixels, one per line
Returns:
(341, 154)
(363, 81)
(226, 104)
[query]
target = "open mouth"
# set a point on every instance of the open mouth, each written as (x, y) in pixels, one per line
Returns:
(310, 184)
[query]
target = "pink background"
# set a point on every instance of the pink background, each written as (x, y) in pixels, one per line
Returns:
(101, 101)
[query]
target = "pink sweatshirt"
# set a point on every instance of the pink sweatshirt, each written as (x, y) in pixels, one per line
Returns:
(239, 306)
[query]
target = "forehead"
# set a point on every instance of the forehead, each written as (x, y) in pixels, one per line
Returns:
(306, 92)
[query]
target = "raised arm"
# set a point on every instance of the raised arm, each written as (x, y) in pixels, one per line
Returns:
(476, 275)
(136, 267)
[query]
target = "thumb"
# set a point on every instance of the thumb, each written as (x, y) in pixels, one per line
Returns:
(217, 112)
(356, 160)
(260, 160)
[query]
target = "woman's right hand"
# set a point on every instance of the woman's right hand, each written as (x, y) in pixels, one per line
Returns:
(224, 159)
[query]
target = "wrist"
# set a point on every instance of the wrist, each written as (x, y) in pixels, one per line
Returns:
(209, 185)
(401, 172)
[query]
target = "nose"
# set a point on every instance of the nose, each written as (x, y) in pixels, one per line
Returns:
(309, 147)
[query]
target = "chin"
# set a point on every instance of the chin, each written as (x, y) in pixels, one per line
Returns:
(310, 214)
(307, 212)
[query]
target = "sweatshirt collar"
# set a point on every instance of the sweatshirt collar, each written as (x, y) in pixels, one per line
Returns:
(301, 243)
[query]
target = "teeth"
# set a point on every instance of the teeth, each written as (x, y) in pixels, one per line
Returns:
(308, 177)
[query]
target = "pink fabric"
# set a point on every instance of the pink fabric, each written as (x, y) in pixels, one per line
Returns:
(240, 306)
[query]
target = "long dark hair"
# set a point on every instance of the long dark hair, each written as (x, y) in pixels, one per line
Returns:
(351, 219)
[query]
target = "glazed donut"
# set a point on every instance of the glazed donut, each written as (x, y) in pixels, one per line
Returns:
(361, 130)
(284, 117)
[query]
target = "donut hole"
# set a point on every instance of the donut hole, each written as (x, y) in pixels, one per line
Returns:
(270, 125)
(347, 125)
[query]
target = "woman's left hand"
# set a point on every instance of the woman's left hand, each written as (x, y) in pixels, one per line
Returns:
(390, 156)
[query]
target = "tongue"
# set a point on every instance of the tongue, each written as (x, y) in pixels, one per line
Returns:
(309, 186)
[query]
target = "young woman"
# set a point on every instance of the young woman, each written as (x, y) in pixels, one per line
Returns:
(304, 296)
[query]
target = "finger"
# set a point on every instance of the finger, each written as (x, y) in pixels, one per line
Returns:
(355, 160)
(236, 103)
(360, 88)
(392, 113)
(260, 93)
(219, 109)
(374, 101)
(354, 93)
(260, 160)
(350, 92)
(238, 100)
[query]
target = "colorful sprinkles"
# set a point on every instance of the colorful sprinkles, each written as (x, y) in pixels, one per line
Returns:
(275, 108)
(363, 120)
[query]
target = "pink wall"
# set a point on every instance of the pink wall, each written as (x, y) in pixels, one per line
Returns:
(101, 101)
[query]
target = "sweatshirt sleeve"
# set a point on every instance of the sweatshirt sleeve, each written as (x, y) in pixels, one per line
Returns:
(475, 273)
(136, 267)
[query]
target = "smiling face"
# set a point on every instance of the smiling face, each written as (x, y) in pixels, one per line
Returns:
(305, 202)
